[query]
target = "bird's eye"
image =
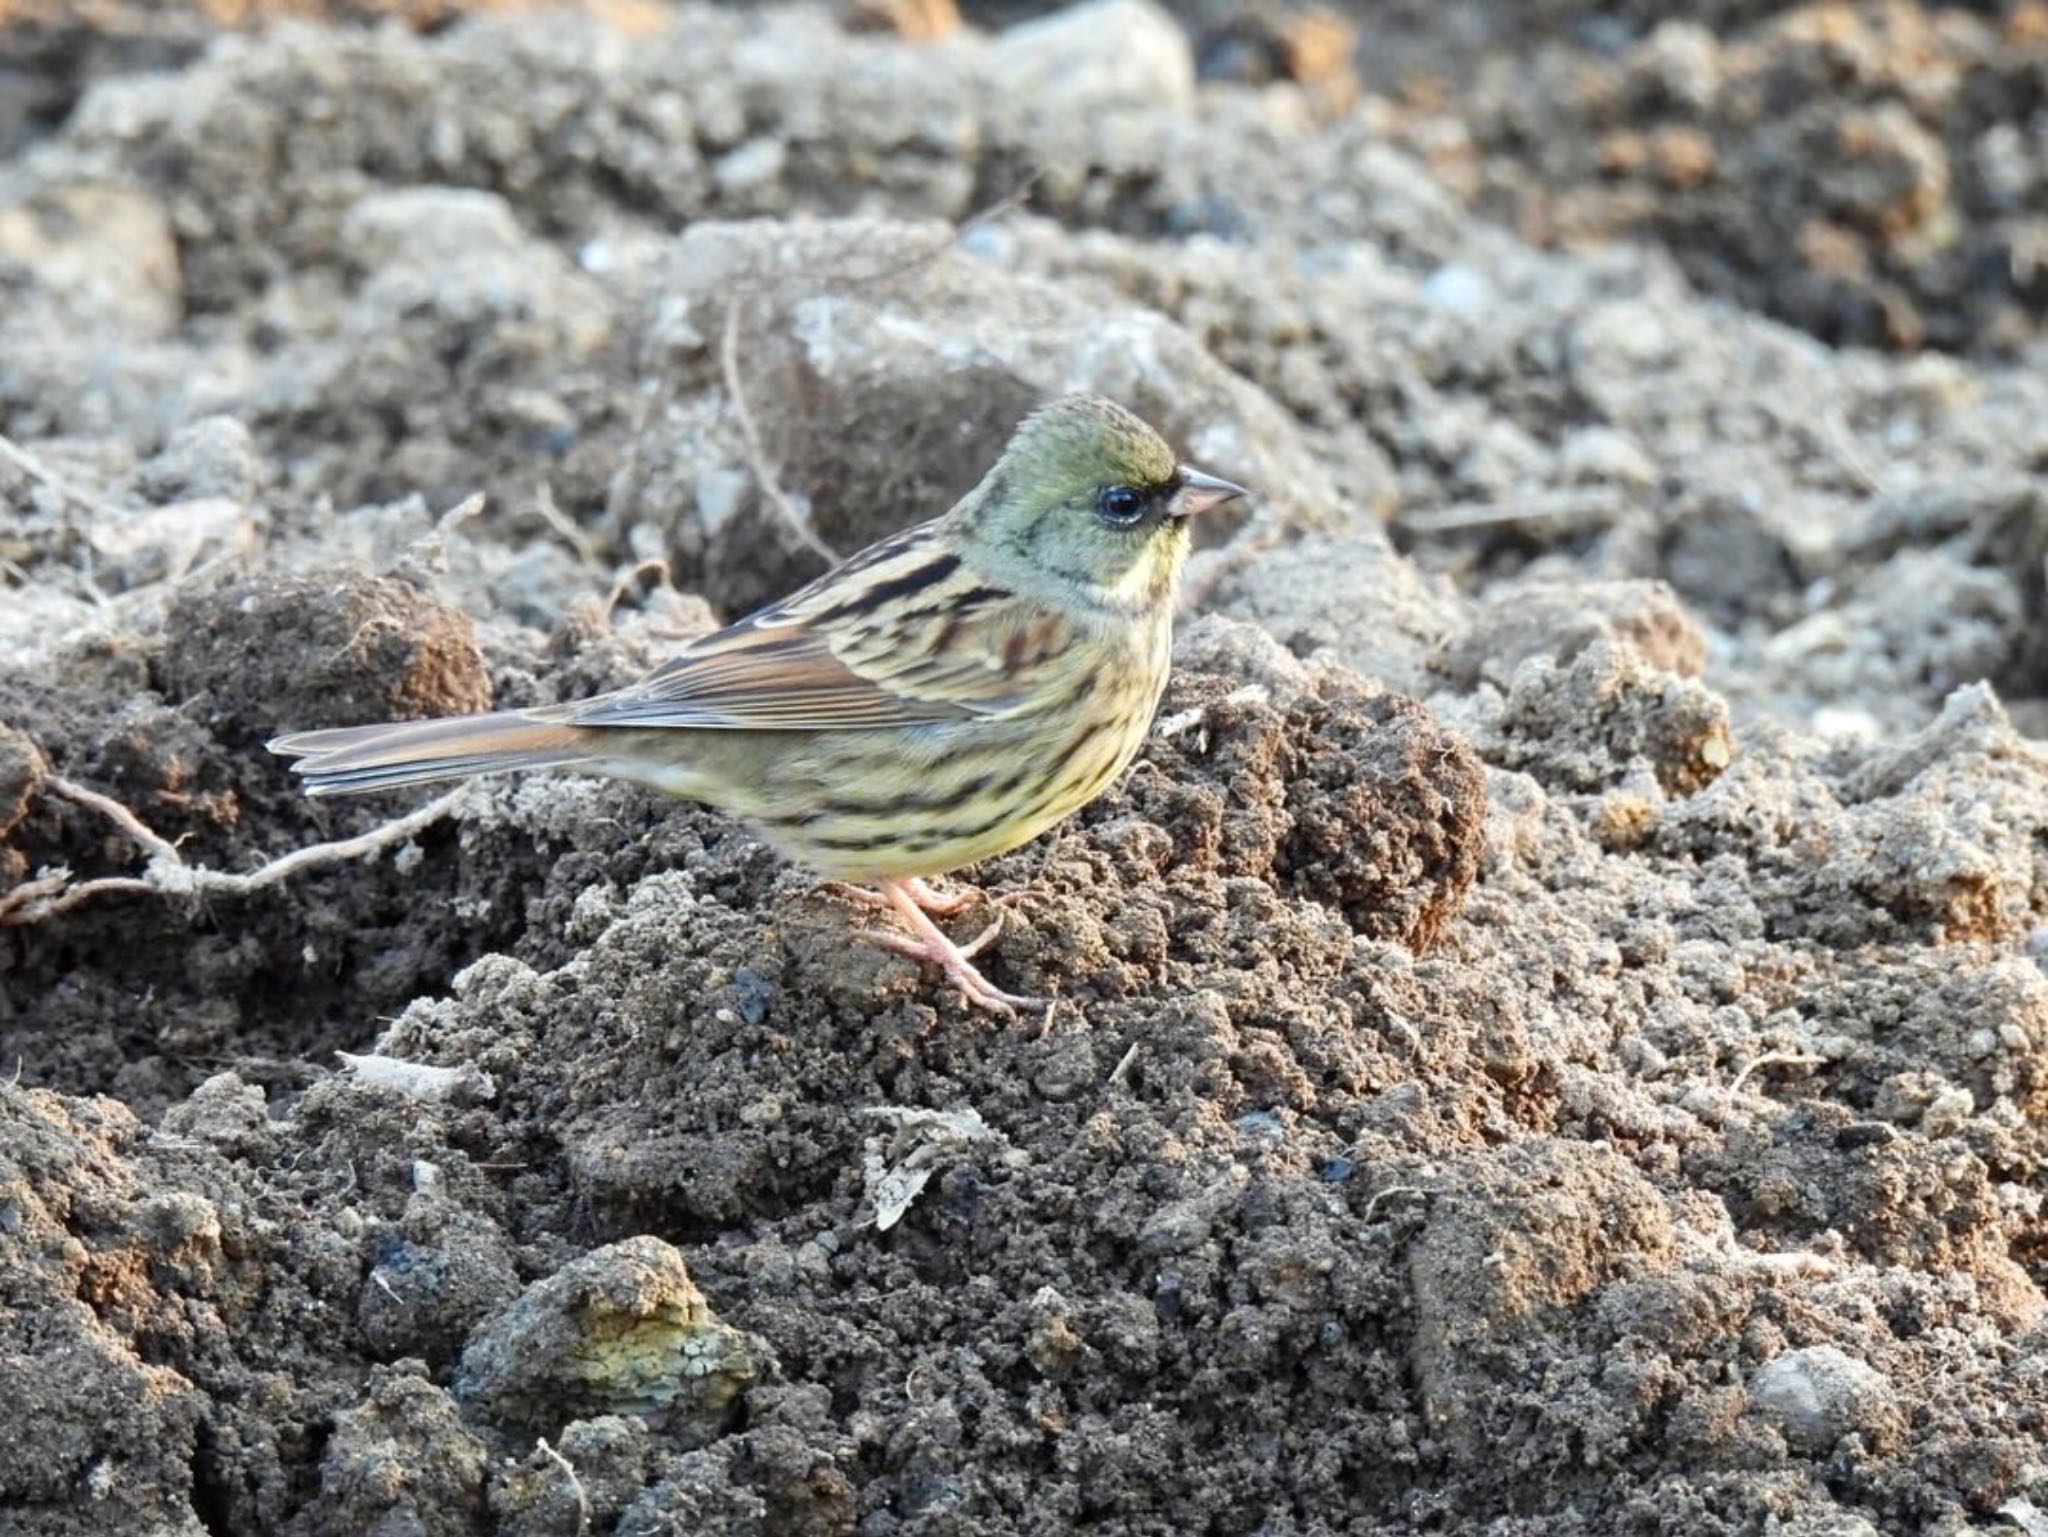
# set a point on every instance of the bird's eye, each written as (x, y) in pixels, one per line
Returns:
(1120, 504)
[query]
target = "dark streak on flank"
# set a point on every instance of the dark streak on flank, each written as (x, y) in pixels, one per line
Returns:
(858, 845)
(1049, 774)
(941, 800)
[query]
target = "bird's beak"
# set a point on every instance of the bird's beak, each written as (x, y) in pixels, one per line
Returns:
(1201, 493)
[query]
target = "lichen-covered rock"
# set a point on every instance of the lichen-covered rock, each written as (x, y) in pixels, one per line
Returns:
(622, 1330)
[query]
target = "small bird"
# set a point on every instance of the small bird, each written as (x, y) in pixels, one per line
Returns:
(943, 696)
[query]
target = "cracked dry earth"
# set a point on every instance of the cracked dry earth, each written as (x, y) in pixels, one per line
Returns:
(1552, 1033)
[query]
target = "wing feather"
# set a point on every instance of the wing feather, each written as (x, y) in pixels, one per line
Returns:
(908, 636)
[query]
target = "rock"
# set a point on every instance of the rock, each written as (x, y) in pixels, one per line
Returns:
(214, 457)
(1097, 56)
(1820, 1394)
(101, 259)
(622, 1330)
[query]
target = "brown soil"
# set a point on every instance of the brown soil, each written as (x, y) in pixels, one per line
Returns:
(1552, 1035)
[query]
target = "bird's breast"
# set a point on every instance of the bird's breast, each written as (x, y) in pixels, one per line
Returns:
(926, 800)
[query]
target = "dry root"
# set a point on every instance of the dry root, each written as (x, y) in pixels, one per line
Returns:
(166, 873)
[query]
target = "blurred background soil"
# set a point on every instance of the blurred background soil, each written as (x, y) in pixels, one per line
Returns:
(1553, 1032)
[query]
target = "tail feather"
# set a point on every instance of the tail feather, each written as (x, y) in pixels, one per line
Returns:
(350, 760)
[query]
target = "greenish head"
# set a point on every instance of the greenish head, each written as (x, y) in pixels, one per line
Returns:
(1088, 498)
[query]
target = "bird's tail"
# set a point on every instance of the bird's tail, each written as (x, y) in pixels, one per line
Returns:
(349, 760)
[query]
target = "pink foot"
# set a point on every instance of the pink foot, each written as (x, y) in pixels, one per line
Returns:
(932, 946)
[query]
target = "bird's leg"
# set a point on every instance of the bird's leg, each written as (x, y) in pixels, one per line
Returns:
(931, 946)
(940, 904)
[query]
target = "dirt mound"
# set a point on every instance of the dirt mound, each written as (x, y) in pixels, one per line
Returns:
(1552, 1031)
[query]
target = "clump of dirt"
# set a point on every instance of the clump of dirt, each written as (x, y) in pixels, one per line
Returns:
(381, 650)
(1868, 172)
(1554, 1027)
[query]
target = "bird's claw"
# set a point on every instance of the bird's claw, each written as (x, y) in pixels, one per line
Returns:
(944, 904)
(933, 947)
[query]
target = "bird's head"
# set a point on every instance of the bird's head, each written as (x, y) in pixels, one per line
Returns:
(1089, 499)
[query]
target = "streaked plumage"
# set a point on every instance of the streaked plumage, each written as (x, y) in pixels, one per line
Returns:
(943, 696)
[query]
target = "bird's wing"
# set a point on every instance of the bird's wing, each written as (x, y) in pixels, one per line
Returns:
(904, 634)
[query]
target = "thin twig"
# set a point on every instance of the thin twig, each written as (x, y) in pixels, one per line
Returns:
(1594, 504)
(757, 458)
(564, 526)
(631, 580)
(1122, 1070)
(43, 475)
(575, 1484)
(1848, 452)
(1010, 202)
(168, 875)
(429, 552)
(118, 814)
